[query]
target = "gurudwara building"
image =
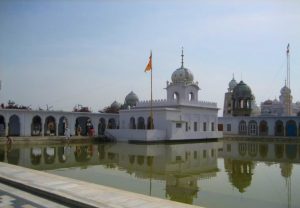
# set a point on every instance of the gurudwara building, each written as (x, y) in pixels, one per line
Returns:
(241, 116)
(181, 116)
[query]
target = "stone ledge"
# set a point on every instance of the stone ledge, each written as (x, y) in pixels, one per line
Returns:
(77, 193)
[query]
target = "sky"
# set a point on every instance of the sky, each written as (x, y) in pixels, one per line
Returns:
(93, 52)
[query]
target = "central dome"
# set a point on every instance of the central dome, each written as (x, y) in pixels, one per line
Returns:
(131, 99)
(182, 75)
(242, 90)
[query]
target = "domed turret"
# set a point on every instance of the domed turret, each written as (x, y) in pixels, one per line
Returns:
(285, 90)
(242, 99)
(131, 99)
(242, 90)
(182, 74)
(232, 85)
(115, 105)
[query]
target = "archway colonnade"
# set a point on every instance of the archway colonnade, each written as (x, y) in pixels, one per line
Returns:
(290, 128)
(36, 123)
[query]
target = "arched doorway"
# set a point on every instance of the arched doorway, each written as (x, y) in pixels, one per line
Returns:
(252, 128)
(242, 149)
(36, 126)
(132, 124)
(35, 155)
(101, 126)
(150, 123)
(49, 155)
(176, 96)
(191, 96)
(279, 150)
(111, 123)
(263, 150)
(62, 125)
(2, 126)
(291, 128)
(13, 156)
(252, 149)
(81, 126)
(141, 123)
(263, 128)
(279, 130)
(242, 128)
(50, 126)
(291, 151)
(14, 126)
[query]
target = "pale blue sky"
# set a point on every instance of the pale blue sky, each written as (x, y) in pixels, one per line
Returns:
(64, 53)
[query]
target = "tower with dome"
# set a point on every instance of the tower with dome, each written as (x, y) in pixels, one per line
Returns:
(181, 116)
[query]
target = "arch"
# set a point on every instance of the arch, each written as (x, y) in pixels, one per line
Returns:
(176, 96)
(13, 156)
(111, 123)
(49, 155)
(2, 125)
(291, 151)
(14, 126)
(279, 150)
(252, 149)
(263, 128)
(252, 128)
(242, 128)
(83, 153)
(50, 126)
(242, 149)
(2, 154)
(62, 125)
(263, 150)
(141, 123)
(61, 154)
(132, 124)
(150, 123)
(291, 128)
(35, 155)
(81, 126)
(101, 126)
(279, 130)
(191, 96)
(36, 126)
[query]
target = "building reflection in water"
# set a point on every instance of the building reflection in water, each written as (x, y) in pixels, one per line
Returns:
(180, 166)
(240, 159)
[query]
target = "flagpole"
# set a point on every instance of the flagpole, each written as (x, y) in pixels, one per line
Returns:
(151, 112)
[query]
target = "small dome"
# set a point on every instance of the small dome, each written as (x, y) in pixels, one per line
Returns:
(182, 75)
(115, 105)
(268, 102)
(242, 90)
(232, 84)
(131, 99)
(285, 90)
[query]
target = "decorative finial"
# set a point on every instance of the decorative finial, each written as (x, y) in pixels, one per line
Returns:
(285, 82)
(182, 57)
(233, 76)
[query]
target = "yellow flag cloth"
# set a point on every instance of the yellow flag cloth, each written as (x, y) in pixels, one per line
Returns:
(149, 65)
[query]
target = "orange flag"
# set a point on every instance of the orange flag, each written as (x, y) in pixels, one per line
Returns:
(149, 65)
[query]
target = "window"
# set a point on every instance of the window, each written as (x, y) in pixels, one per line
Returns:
(212, 153)
(228, 147)
(212, 126)
(178, 125)
(186, 126)
(204, 153)
(204, 126)
(195, 126)
(228, 127)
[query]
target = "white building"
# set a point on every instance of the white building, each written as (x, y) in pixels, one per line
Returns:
(179, 117)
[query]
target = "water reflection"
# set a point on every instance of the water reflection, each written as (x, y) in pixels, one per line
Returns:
(181, 167)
